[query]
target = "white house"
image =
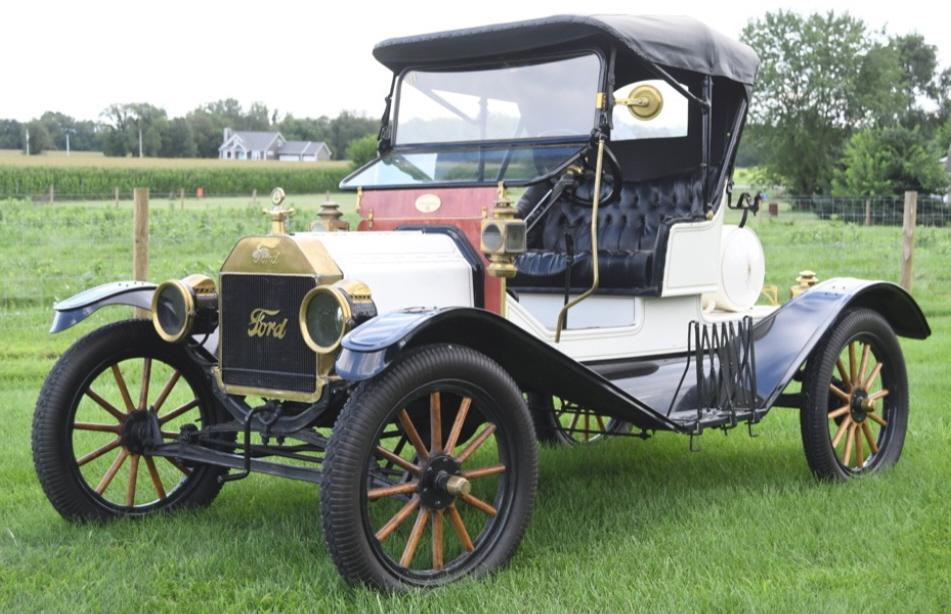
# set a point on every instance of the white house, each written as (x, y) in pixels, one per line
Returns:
(304, 151)
(241, 145)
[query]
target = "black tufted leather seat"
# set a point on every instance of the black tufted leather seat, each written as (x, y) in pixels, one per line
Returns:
(632, 237)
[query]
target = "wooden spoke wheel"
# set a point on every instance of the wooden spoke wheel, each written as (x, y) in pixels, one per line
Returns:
(430, 472)
(855, 399)
(558, 421)
(96, 414)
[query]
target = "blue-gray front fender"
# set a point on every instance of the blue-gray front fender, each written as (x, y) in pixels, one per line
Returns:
(784, 340)
(80, 306)
(534, 364)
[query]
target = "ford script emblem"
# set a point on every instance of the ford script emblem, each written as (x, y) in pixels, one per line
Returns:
(264, 323)
(263, 255)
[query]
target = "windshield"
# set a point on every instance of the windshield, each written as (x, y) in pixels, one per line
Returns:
(553, 99)
(513, 124)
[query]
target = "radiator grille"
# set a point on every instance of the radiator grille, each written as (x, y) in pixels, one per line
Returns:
(265, 361)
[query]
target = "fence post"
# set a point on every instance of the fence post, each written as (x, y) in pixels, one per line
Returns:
(908, 238)
(254, 197)
(868, 211)
(140, 240)
(115, 194)
(181, 197)
(52, 192)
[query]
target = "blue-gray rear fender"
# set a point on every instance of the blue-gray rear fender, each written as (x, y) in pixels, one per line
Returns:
(785, 340)
(75, 309)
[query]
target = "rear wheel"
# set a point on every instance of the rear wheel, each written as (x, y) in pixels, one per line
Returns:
(560, 422)
(855, 399)
(430, 473)
(93, 414)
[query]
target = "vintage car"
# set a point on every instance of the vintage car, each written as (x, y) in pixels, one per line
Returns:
(542, 256)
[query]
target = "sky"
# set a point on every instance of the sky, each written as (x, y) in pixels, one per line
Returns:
(306, 58)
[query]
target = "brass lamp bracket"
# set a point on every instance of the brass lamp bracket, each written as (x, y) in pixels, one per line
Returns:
(645, 102)
(278, 213)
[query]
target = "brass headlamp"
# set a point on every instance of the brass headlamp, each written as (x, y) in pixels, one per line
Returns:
(181, 307)
(328, 313)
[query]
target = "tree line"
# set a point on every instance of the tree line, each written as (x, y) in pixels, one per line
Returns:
(196, 134)
(840, 108)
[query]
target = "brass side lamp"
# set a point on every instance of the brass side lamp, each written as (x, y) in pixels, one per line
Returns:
(503, 237)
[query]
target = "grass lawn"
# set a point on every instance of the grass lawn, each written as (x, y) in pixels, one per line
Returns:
(619, 525)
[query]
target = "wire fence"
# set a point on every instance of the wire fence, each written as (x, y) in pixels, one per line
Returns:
(933, 209)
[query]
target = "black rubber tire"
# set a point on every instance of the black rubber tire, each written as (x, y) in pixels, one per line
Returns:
(813, 417)
(547, 430)
(53, 456)
(372, 405)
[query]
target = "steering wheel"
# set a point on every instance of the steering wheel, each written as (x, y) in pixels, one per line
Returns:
(614, 182)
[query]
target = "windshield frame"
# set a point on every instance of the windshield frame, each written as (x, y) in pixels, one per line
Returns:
(555, 56)
(554, 172)
(600, 116)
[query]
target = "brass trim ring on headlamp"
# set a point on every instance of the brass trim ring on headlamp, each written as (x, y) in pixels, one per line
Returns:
(346, 320)
(188, 317)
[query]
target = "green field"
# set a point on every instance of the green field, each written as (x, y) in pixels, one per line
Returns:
(620, 525)
(87, 159)
(91, 177)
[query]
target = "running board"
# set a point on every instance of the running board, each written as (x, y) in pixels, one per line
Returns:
(712, 385)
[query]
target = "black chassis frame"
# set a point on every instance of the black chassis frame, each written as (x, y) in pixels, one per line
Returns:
(267, 420)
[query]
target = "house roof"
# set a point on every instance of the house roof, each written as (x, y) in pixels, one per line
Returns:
(256, 141)
(301, 148)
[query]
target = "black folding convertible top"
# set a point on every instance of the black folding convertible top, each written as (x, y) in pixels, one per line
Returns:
(669, 41)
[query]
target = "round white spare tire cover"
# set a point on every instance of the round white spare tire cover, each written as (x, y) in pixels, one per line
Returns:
(742, 269)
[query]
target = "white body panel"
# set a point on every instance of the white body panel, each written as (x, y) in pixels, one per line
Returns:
(405, 268)
(595, 312)
(659, 325)
(692, 264)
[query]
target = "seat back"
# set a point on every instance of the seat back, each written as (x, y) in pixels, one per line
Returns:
(631, 223)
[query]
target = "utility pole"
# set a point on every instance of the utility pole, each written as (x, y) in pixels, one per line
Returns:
(27, 141)
(68, 131)
(140, 141)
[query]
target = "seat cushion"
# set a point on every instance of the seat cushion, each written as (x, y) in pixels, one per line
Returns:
(543, 270)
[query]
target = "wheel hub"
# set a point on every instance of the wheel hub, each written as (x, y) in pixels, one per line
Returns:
(139, 430)
(859, 405)
(441, 481)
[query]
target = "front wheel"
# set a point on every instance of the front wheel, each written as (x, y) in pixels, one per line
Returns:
(91, 416)
(855, 399)
(430, 473)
